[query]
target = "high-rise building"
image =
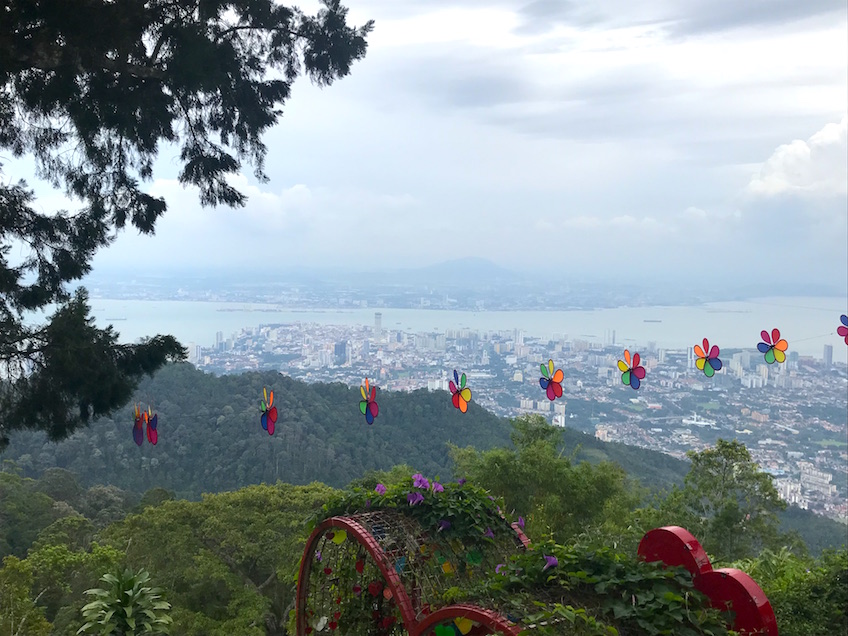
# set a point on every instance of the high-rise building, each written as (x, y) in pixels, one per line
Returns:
(378, 325)
(219, 341)
(340, 352)
(827, 356)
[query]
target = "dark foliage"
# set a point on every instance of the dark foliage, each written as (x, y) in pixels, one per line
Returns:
(91, 90)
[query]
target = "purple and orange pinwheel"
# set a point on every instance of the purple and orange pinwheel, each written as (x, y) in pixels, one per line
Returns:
(151, 420)
(368, 405)
(631, 371)
(551, 380)
(708, 360)
(268, 418)
(842, 330)
(460, 394)
(773, 346)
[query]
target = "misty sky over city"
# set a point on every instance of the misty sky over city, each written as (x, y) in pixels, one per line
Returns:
(705, 138)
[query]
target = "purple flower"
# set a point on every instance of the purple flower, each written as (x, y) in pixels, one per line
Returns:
(461, 481)
(367, 503)
(489, 533)
(318, 555)
(550, 562)
(415, 498)
(500, 566)
(444, 524)
(419, 481)
(437, 487)
(521, 522)
(380, 489)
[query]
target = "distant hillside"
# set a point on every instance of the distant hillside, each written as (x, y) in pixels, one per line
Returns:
(210, 440)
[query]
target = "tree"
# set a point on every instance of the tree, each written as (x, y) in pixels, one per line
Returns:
(558, 496)
(128, 607)
(19, 614)
(91, 89)
(727, 502)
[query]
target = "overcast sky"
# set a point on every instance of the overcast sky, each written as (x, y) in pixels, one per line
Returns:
(704, 138)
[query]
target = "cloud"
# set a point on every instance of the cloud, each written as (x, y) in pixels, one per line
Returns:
(818, 166)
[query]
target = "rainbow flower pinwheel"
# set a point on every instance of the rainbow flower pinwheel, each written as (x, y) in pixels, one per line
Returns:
(773, 347)
(843, 328)
(145, 418)
(268, 419)
(551, 381)
(707, 361)
(631, 372)
(368, 406)
(461, 394)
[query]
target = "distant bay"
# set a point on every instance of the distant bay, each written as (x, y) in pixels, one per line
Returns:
(807, 322)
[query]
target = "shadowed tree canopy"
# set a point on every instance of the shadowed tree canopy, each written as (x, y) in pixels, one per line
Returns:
(90, 90)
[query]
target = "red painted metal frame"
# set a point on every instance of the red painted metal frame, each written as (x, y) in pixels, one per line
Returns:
(488, 618)
(370, 544)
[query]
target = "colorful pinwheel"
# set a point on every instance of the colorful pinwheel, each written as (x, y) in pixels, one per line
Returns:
(368, 405)
(151, 420)
(707, 361)
(461, 393)
(551, 381)
(269, 412)
(773, 347)
(632, 373)
(843, 328)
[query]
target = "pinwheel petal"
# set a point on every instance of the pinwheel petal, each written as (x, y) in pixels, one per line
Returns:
(781, 345)
(714, 352)
(625, 377)
(544, 369)
(455, 377)
(709, 371)
(550, 368)
(271, 427)
(550, 392)
(154, 422)
(263, 406)
(700, 363)
(366, 385)
(775, 335)
(635, 382)
(463, 404)
(462, 381)
(362, 406)
(264, 421)
(373, 393)
(636, 360)
(770, 355)
(844, 319)
(455, 399)
(271, 399)
(639, 372)
(706, 345)
(272, 415)
(558, 376)
(138, 433)
(715, 363)
(362, 391)
(369, 417)
(763, 347)
(699, 352)
(466, 394)
(265, 393)
(842, 331)
(452, 386)
(627, 357)
(544, 382)
(557, 389)
(374, 409)
(622, 366)
(765, 336)
(779, 355)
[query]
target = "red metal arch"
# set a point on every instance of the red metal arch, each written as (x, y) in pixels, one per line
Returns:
(370, 544)
(491, 620)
